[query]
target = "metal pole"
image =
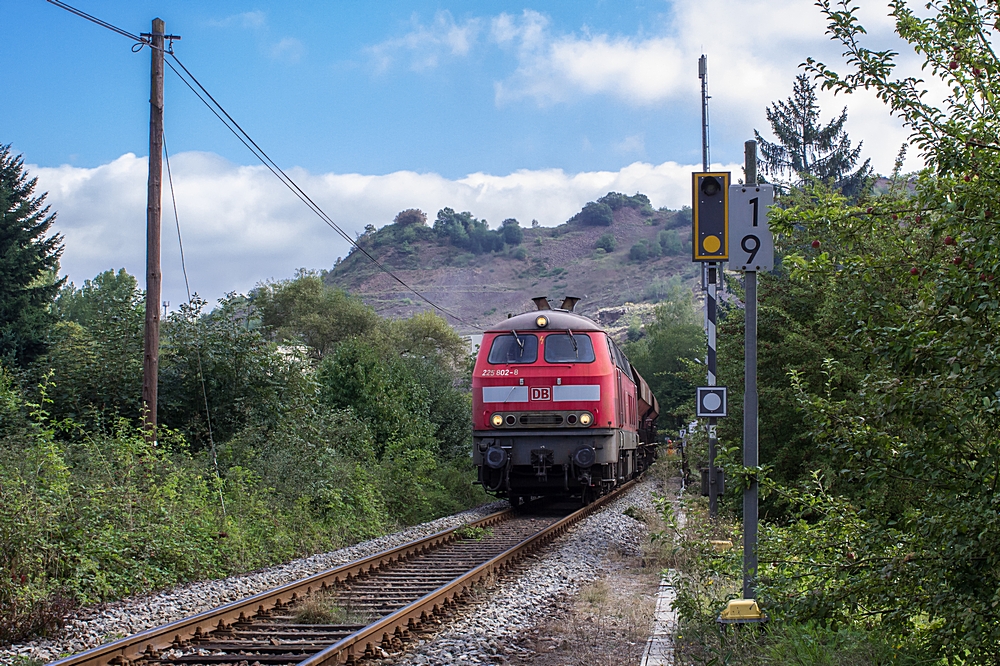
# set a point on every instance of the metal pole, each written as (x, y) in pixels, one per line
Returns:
(703, 75)
(709, 282)
(750, 407)
(713, 486)
(151, 334)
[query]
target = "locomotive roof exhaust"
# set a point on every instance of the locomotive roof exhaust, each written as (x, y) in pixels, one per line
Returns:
(542, 303)
(569, 303)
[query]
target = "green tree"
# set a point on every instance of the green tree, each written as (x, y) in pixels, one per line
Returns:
(617, 200)
(672, 339)
(465, 231)
(96, 351)
(29, 261)
(594, 214)
(410, 216)
(805, 148)
(378, 387)
(449, 407)
(512, 232)
(306, 311)
(914, 279)
(681, 218)
(797, 328)
(426, 335)
(246, 379)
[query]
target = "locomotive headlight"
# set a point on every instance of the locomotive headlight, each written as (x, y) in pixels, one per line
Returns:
(586, 418)
(496, 420)
(541, 321)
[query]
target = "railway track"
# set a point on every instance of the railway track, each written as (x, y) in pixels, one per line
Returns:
(350, 612)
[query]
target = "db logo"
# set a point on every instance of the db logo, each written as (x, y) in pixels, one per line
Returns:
(541, 393)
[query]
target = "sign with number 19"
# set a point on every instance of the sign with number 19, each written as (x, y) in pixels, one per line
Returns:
(751, 245)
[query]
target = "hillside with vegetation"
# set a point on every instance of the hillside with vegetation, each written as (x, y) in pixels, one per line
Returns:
(617, 249)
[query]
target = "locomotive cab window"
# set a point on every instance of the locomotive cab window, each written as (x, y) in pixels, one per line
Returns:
(566, 348)
(620, 359)
(508, 348)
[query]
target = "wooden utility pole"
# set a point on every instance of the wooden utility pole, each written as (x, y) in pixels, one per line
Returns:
(151, 337)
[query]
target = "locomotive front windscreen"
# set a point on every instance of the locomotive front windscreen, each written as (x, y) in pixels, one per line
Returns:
(521, 348)
(566, 348)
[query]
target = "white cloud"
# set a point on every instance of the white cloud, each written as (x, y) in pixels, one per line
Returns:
(241, 226)
(754, 49)
(748, 43)
(634, 143)
(254, 19)
(555, 68)
(288, 49)
(424, 46)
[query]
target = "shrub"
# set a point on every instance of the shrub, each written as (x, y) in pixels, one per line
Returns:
(644, 250)
(617, 200)
(606, 242)
(594, 214)
(635, 331)
(670, 242)
(511, 230)
(410, 216)
(659, 288)
(465, 231)
(680, 218)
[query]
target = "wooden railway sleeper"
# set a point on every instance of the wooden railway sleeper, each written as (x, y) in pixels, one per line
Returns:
(398, 572)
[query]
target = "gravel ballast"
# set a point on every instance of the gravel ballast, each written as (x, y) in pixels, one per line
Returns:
(485, 630)
(94, 625)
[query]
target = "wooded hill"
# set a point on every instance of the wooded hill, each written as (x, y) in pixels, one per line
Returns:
(616, 250)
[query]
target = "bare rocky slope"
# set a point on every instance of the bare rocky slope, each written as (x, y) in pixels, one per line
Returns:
(555, 262)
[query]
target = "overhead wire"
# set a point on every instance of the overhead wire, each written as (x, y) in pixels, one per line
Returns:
(197, 349)
(279, 173)
(94, 19)
(220, 112)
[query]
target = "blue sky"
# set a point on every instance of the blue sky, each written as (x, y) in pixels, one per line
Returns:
(525, 110)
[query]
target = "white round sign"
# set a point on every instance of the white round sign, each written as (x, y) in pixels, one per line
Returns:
(711, 402)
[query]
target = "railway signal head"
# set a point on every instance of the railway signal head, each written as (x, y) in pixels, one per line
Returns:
(710, 216)
(711, 401)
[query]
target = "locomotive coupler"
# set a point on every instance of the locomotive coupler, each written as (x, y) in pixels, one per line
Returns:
(542, 461)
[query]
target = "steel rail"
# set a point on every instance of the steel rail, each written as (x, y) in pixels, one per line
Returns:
(130, 648)
(386, 632)
(409, 618)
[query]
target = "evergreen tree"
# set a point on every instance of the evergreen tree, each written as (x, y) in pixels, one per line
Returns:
(806, 148)
(29, 261)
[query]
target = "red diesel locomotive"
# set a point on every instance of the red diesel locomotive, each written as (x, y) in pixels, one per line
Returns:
(557, 408)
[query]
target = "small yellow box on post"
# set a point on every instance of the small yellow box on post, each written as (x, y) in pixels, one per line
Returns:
(721, 546)
(742, 611)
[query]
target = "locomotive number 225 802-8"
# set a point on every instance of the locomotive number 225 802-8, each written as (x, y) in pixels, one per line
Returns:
(502, 372)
